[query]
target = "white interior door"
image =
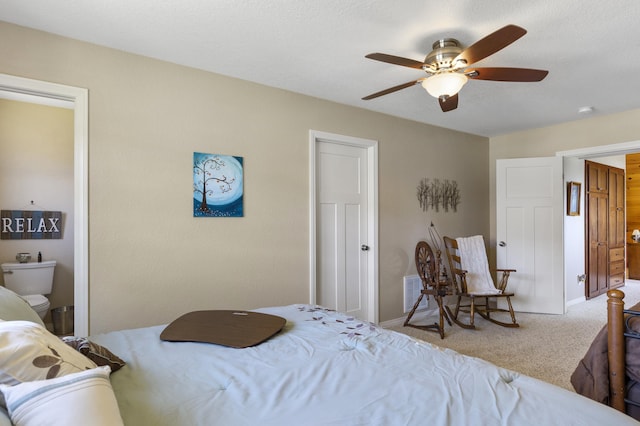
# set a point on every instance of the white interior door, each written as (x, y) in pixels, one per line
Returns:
(342, 228)
(529, 220)
(344, 256)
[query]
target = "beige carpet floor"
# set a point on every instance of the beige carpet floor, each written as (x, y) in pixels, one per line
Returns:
(547, 347)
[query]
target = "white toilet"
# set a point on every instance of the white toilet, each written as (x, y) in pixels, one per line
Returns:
(32, 281)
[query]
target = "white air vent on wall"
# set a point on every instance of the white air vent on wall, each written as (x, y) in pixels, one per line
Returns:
(412, 287)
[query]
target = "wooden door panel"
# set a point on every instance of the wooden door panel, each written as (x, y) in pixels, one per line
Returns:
(598, 279)
(633, 254)
(598, 274)
(616, 208)
(597, 177)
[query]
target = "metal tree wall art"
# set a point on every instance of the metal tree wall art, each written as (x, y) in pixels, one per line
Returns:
(436, 194)
(217, 185)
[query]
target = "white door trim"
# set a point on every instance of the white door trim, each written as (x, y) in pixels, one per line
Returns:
(80, 99)
(631, 147)
(372, 237)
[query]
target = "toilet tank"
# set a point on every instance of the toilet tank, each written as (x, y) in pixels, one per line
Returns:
(29, 278)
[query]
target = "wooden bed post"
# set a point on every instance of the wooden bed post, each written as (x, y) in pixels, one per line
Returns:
(616, 347)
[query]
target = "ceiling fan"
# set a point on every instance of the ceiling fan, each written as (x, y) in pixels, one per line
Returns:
(448, 66)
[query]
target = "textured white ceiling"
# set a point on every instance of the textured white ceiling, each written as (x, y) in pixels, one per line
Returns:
(317, 47)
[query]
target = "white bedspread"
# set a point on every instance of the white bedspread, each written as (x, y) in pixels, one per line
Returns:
(327, 369)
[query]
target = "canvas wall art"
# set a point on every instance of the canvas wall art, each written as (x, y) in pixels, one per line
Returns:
(217, 185)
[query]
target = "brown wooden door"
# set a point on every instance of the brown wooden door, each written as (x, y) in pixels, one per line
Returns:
(605, 228)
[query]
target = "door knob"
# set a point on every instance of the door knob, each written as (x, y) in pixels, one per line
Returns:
(364, 247)
(502, 244)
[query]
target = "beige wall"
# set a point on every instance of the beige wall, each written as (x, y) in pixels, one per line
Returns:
(150, 260)
(36, 164)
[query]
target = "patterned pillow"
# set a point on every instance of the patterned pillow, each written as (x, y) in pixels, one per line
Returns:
(96, 353)
(77, 399)
(29, 352)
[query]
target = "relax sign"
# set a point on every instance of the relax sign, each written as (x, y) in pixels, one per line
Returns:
(30, 225)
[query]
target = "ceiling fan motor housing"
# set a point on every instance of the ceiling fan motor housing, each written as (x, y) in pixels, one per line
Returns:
(444, 52)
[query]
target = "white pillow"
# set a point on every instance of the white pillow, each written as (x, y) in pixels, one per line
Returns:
(29, 352)
(77, 399)
(4, 416)
(14, 307)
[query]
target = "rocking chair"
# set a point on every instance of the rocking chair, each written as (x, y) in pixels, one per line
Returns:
(429, 271)
(472, 280)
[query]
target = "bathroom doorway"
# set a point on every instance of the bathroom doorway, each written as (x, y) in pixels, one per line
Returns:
(43, 92)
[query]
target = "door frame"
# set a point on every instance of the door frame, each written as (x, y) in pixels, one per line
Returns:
(371, 146)
(79, 97)
(623, 148)
(588, 153)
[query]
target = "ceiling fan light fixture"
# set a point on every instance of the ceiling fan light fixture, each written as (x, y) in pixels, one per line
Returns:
(444, 84)
(447, 65)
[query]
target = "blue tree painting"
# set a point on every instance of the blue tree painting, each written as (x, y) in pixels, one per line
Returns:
(217, 185)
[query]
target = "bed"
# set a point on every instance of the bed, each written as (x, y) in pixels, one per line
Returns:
(610, 370)
(322, 368)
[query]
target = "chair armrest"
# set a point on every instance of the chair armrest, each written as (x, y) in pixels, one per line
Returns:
(460, 283)
(502, 282)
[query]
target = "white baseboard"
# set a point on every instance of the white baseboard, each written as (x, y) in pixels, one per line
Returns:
(576, 301)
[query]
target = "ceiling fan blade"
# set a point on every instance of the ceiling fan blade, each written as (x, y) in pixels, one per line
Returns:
(506, 74)
(491, 44)
(392, 89)
(448, 104)
(395, 60)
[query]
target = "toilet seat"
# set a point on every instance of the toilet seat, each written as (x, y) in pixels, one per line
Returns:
(37, 301)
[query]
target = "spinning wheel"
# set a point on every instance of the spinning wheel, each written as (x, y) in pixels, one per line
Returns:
(429, 271)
